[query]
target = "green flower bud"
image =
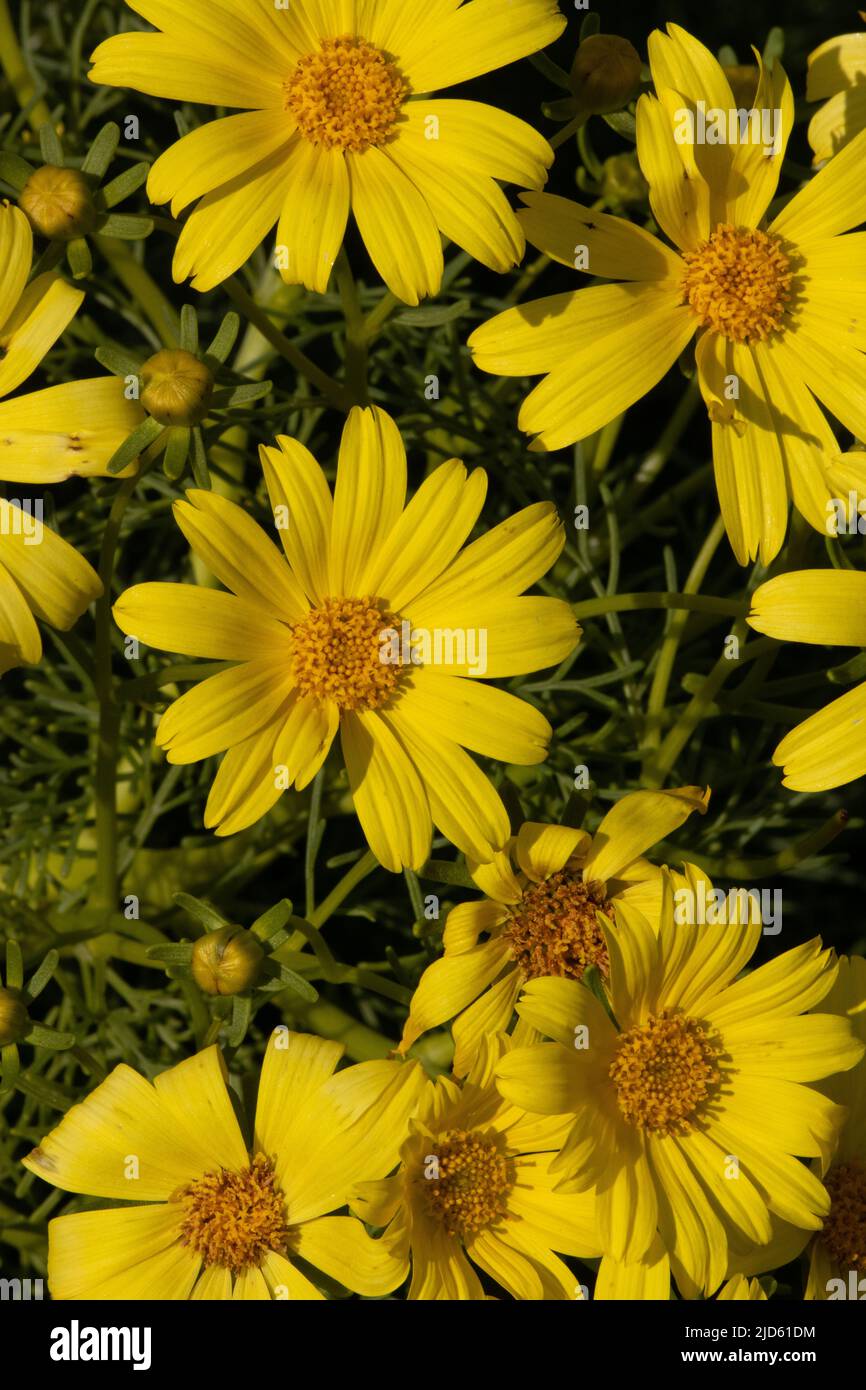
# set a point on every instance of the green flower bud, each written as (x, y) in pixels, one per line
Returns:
(623, 182)
(177, 387)
(226, 961)
(58, 203)
(605, 74)
(14, 1022)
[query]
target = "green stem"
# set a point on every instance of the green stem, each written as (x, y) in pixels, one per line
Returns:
(378, 317)
(350, 880)
(699, 707)
(356, 336)
(635, 603)
(20, 79)
(105, 887)
(335, 394)
(143, 290)
(736, 867)
(671, 643)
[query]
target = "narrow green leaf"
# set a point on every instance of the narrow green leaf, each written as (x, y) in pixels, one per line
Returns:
(49, 144)
(101, 152)
(125, 185)
(146, 434)
(79, 258)
(126, 226)
(201, 911)
(15, 170)
(176, 452)
(226, 337)
(189, 329)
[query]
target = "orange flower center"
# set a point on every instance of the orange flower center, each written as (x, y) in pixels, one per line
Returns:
(844, 1233)
(341, 653)
(346, 96)
(466, 1180)
(555, 930)
(664, 1072)
(739, 283)
(234, 1219)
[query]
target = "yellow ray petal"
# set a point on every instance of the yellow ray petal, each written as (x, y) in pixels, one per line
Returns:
(314, 215)
(397, 225)
(199, 622)
(481, 37)
(389, 796)
(187, 69)
(16, 253)
(42, 313)
(66, 431)
(57, 583)
(215, 154)
(616, 249)
(239, 554)
(223, 710)
(301, 500)
(246, 785)
(229, 223)
(833, 201)
(637, 822)
(477, 716)
(369, 495)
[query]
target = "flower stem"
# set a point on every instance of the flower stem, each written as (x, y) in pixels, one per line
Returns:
(335, 394)
(634, 603)
(20, 79)
(673, 638)
(357, 345)
(105, 887)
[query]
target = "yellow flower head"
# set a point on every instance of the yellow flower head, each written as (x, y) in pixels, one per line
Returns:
(775, 306)
(379, 627)
(475, 1191)
(837, 1252)
(545, 895)
(689, 1112)
(71, 429)
(825, 607)
(214, 1219)
(335, 119)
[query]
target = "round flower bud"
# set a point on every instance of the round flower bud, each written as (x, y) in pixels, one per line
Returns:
(58, 203)
(623, 181)
(605, 74)
(177, 388)
(226, 961)
(14, 1022)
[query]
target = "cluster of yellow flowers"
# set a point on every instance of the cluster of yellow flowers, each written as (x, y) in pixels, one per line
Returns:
(653, 1105)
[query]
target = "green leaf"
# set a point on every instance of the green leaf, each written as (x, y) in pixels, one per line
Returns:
(124, 185)
(14, 965)
(225, 338)
(179, 953)
(242, 1013)
(176, 451)
(79, 258)
(40, 1036)
(277, 971)
(115, 360)
(49, 144)
(623, 122)
(101, 152)
(126, 226)
(201, 911)
(199, 461)
(273, 920)
(146, 434)
(242, 395)
(14, 170)
(434, 318)
(42, 975)
(189, 329)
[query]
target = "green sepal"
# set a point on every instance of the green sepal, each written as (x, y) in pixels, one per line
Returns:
(101, 152)
(147, 433)
(79, 258)
(124, 185)
(202, 912)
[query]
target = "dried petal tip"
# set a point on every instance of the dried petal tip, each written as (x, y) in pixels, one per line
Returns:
(58, 203)
(226, 961)
(605, 74)
(176, 388)
(14, 1022)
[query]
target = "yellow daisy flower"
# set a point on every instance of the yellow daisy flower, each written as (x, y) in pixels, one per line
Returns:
(689, 1112)
(334, 119)
(379, 626)
(216, 1217)
(827, 608)
(475, 1191)
(540, 915)
(776, 309)
(837, 77)
(836, 1253)
(66, 430)
(41, 576)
